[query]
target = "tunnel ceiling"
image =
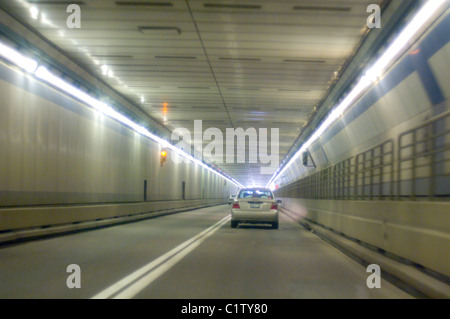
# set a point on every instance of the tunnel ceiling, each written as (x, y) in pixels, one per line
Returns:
(259, 64)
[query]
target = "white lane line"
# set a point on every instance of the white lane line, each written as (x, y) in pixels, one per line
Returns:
(165, 262)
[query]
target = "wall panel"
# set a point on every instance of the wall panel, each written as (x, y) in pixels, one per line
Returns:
(55, 150)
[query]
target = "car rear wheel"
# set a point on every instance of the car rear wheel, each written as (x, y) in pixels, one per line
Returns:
(234, 224)
(275, 225)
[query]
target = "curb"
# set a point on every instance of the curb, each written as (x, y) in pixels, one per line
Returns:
(426, 285)
(20, 236)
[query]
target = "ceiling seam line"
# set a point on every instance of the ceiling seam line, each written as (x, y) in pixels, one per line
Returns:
(210, 66)
(209, 62)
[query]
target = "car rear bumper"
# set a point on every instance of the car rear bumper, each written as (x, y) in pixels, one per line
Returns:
(254, 217)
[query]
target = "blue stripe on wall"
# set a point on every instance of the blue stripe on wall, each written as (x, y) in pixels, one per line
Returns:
(427, 78)
(431, 44)
(40, 89)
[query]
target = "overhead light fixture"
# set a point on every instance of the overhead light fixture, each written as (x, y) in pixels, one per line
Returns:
(324, 9)
(303, 61)
(240, 59)
(175, 57)
(144, 3)
(112, 56)
(34, 13)
(232, 6)
(152, 30)
(195, 87)
(57, 2)
(393, 52)
(104, 69)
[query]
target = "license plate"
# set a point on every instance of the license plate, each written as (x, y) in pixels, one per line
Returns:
(254, 205)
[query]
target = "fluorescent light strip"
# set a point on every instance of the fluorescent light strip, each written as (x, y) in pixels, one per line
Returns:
(389, 56)
(42, 73)
(402, 40)
(332, 117)
(107, 110)
(45, 75)
(18, 59)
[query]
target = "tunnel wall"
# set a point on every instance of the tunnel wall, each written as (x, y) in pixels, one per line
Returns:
(380, 174)
(57, 151)
(414, 90)
(415, 231)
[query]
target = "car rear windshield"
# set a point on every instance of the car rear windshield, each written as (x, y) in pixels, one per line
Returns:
(256, 193)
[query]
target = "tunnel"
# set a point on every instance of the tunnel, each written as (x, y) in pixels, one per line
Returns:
(140, 141)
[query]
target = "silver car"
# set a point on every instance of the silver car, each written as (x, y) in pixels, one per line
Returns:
(255, 206)
(231, 199)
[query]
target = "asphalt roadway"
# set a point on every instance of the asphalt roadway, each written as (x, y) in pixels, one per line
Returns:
(190, 255)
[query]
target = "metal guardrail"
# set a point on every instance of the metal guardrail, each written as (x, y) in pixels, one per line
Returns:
(418, 169)
(374, 172)
(424, 159)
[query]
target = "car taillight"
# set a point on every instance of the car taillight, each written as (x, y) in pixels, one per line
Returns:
(236, 205)
(274, 206)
